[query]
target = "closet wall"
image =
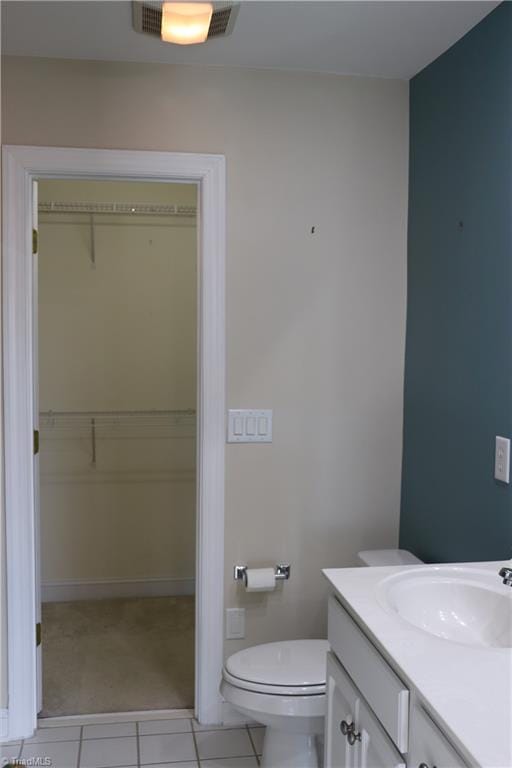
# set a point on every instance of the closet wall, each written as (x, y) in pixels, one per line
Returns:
(117, 376)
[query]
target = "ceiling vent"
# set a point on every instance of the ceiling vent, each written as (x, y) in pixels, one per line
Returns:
(147, 18)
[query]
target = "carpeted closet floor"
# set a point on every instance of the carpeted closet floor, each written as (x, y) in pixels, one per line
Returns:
(118, 655)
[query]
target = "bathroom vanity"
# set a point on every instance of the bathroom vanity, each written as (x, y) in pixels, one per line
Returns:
(419, 672)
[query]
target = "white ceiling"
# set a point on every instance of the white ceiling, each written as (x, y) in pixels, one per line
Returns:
(381, 39)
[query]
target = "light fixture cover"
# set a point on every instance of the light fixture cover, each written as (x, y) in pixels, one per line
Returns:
(186, 23)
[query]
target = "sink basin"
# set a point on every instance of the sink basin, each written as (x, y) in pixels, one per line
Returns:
(461, 605)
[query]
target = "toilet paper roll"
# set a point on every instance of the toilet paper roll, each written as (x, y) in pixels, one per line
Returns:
(260, 580)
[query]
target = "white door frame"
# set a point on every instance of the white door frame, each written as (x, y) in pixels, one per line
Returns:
(20, 166)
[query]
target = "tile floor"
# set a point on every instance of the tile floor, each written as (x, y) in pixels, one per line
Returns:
(174, 743)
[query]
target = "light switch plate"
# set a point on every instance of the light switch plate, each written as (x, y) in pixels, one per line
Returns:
(502, 460)
(250, 426)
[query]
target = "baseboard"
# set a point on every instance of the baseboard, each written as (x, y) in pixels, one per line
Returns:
(114, 717)
(230, 717)
(4, 724)
(59, 591)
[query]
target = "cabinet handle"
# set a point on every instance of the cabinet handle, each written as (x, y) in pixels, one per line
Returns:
(347, 727)
(353, 737)
(348, 730)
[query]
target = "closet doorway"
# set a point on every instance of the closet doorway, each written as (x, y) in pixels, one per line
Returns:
(117, 358)
(21, 167)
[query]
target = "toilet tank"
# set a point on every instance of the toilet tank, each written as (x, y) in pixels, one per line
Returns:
(387, 557)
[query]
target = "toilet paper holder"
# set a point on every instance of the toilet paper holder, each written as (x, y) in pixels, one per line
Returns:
(282, 572)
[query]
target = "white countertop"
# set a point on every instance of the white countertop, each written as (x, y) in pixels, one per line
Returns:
(467, 688)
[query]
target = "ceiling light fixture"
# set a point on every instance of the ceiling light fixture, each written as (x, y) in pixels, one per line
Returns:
(186, 23)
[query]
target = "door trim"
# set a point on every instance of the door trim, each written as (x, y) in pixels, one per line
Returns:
(22, 164)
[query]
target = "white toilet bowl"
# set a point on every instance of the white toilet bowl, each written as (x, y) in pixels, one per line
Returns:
(282, 686)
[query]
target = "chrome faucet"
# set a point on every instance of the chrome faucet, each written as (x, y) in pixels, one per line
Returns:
(506, 575)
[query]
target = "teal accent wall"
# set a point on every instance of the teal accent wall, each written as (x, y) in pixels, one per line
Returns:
(458, 366)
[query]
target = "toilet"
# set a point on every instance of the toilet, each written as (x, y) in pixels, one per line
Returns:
(282, 686)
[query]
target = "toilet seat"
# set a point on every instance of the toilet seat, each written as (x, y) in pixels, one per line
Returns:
(295, 710)
(276, 690)
(289, 668)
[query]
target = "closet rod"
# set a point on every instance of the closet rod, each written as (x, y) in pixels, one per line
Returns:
(100, 419)
(154, 224)
(91, 414)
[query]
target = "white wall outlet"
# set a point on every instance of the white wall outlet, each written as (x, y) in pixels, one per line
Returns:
(250, 426)
(235, 623)
(502, 460)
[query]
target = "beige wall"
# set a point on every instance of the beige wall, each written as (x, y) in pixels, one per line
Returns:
(117, 335)
(315, 322)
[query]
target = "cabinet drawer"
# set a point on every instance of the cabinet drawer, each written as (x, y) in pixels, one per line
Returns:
(429, 746)
(381, 687)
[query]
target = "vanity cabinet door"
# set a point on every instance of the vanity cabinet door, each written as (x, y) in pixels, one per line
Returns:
(376, 750)
(342, 706)
(429, 747)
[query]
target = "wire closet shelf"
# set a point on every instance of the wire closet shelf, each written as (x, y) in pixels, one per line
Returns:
(93, 426)
(117, 423)
(111, 208)
(76, 420)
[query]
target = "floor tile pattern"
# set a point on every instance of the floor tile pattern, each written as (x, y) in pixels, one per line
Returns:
(173, 743)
